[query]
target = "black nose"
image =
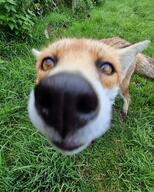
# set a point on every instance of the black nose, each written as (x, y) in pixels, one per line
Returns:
(66, 102)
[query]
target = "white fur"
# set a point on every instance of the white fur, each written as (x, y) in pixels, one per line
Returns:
(38, 121)
(35, 52)
(85, 135)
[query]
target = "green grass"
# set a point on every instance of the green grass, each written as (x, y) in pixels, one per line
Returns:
(121, 160)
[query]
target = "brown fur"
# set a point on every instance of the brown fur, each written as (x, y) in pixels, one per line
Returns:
(84, 53)
(89, 50)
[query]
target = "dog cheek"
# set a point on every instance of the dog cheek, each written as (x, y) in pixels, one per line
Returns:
(33, 115)
(105, 113)
(41, 75)
(112, 93)
(101, 123)
(109, 81)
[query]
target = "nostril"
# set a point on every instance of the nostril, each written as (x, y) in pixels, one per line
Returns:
(45, 111)
(87, 104)
(42, 102)
(42, 109)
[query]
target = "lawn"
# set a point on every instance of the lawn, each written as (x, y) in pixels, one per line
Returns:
(122, 159)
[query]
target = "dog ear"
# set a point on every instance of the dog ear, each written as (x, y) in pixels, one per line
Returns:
(127, 55)
(36, 52)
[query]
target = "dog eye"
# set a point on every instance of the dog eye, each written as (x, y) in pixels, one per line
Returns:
(105, 67)
(48, 63)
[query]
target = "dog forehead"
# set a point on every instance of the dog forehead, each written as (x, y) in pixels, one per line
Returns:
(93, 49)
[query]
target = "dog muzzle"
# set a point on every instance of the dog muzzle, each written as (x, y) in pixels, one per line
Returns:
(70, 111)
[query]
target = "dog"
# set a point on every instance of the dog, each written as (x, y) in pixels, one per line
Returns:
(76, 86)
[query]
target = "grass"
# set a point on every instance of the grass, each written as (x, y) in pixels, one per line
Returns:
(123, 159)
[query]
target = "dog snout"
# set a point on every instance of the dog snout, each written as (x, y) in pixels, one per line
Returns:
(66, 102)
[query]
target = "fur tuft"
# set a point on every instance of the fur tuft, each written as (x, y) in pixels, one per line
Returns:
(145, 66)
(35, 52)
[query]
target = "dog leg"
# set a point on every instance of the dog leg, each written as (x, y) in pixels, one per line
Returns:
(126, 99)
(124, 91)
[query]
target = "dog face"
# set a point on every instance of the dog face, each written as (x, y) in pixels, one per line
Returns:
(77, 82)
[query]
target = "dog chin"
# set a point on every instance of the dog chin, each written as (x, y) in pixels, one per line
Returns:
(70, 152)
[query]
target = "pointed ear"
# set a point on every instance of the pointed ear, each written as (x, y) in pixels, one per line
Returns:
(36, 52)
(128, 55)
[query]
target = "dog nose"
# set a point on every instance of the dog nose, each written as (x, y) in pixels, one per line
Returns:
(66, 102)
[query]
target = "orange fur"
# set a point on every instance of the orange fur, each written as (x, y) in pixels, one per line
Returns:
(81, 55)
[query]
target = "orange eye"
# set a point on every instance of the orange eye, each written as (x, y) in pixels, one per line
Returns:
(105, 67)
(48, 63)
